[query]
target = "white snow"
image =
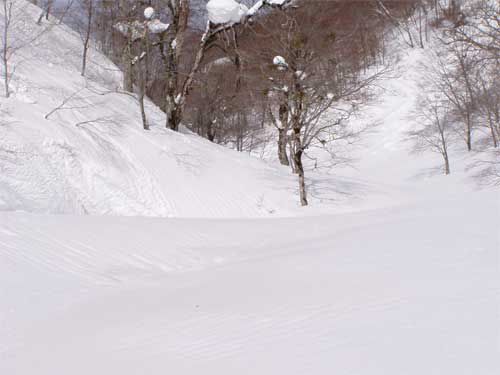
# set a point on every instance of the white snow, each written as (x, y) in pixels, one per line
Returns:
(157, 27)
(92, 156)
(279, 61)
(149, 12)
(412, 290)
(260, 3)
(392, 270)
(225, 11)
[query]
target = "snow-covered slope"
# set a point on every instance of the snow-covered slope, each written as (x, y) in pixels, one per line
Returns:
(412, 290)
(405, 281)
(92, 157)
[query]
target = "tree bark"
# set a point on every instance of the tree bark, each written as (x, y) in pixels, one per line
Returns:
(282, 142)
(5, 46)
(128, 81)
(445, 154)
(300, 172)
(446, 164)
(87, 36)
(297, 161)
(282, 133)
(211, 131)
(145, 124)
(492, 129)
(468, 135)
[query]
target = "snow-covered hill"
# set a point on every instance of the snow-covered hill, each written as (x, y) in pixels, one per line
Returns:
(91, 156)
(75, 145)
(395, 269)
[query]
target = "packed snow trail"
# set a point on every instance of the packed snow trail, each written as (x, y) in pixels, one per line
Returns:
(410, 290)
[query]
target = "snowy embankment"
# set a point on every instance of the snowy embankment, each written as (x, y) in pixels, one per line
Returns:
(76, 146)
(412, 290)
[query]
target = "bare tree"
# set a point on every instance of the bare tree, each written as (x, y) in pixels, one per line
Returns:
(453, 74)
(410, 19)
(480, 27)
(89, 10)
(136, 30)
(46, 9)
(436, 126)
(317, 82)
(172, 47)
(8, 8)
(15, 36)
(488, 100)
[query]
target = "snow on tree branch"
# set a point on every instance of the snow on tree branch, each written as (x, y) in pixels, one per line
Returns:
(231, 12)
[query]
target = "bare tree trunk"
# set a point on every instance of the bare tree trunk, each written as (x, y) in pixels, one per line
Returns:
(145, 124)
(497, 121)
(142, 94)
(66, 10)
(171, 98)
(420, 27)
(49, 8)
(300, 171)
(446, 163)
(444, 146)
(5, 46)
(291, 152)
(179, 10)
(410, 38)
(87, 36)
(282, 142)
(298, 152)
(468, 136)
(6, 72)
(211, 131)
(170, 61)
(45, 13)
(492, 129)
(143, 66)
(128, 80)
(283, 130)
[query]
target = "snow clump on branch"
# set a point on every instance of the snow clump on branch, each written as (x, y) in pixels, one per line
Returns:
(225, 11)
(149, 12)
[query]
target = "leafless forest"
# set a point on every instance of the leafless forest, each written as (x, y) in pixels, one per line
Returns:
(304, 67)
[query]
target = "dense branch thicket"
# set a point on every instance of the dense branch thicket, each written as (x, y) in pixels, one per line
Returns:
(462, 92)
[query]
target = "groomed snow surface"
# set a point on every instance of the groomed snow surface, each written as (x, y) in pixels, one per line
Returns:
(412, 290)
(394, 269)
